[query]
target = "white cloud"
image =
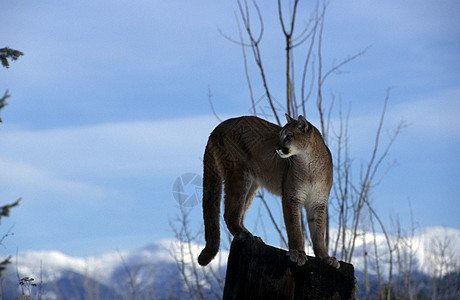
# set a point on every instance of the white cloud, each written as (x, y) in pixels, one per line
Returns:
(434, 117)
(97, 178)
(32, 180)
(65, 159)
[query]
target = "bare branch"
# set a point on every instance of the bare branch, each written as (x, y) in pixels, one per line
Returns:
(390, 249)
(245, 17)
(211, 104)
(372, 167)
(292, 22)
(306, 33)
(131, 276)
(283, 239)
(246, 71)
(337, 67)
(227, 37)
(319, 99)
(289, 54)
(254, 42)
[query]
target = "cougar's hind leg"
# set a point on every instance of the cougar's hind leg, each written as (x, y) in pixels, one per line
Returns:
(252, 192)
(237, 187)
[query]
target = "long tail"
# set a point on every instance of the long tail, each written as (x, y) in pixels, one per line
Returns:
(212, 192)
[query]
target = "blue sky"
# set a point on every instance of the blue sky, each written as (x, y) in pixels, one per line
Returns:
(109, 106)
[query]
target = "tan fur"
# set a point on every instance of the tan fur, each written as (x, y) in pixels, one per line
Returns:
(293, 162)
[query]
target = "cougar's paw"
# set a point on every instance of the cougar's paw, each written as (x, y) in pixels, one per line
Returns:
(245, 235)
(259, 239)
(249, 236)
(332, 261)
(298, 257)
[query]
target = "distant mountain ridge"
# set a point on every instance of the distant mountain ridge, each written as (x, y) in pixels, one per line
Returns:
(152, 272)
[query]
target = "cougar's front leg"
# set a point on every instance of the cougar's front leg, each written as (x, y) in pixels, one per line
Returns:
(316, 216)
(291, 213)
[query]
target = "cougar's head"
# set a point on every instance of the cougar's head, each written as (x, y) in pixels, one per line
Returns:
(293, 137)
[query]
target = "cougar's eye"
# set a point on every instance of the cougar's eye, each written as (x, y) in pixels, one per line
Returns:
(287, 138)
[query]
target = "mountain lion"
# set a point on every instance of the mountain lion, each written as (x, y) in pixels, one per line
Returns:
(293, 162)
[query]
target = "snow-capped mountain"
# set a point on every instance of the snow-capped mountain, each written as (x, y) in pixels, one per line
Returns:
(151, 272)
(50, 265)
(430, 251)
(157, 270)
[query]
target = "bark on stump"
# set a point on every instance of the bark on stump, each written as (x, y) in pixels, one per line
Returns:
(258, 271)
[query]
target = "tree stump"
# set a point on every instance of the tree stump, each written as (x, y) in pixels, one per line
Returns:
(258, 271)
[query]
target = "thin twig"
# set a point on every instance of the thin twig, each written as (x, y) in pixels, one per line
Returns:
(132, 279)
(211, 104)
(246, 70)
(285, 244)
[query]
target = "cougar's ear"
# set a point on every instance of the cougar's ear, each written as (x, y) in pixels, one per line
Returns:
(303, 124)
(289, 119)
